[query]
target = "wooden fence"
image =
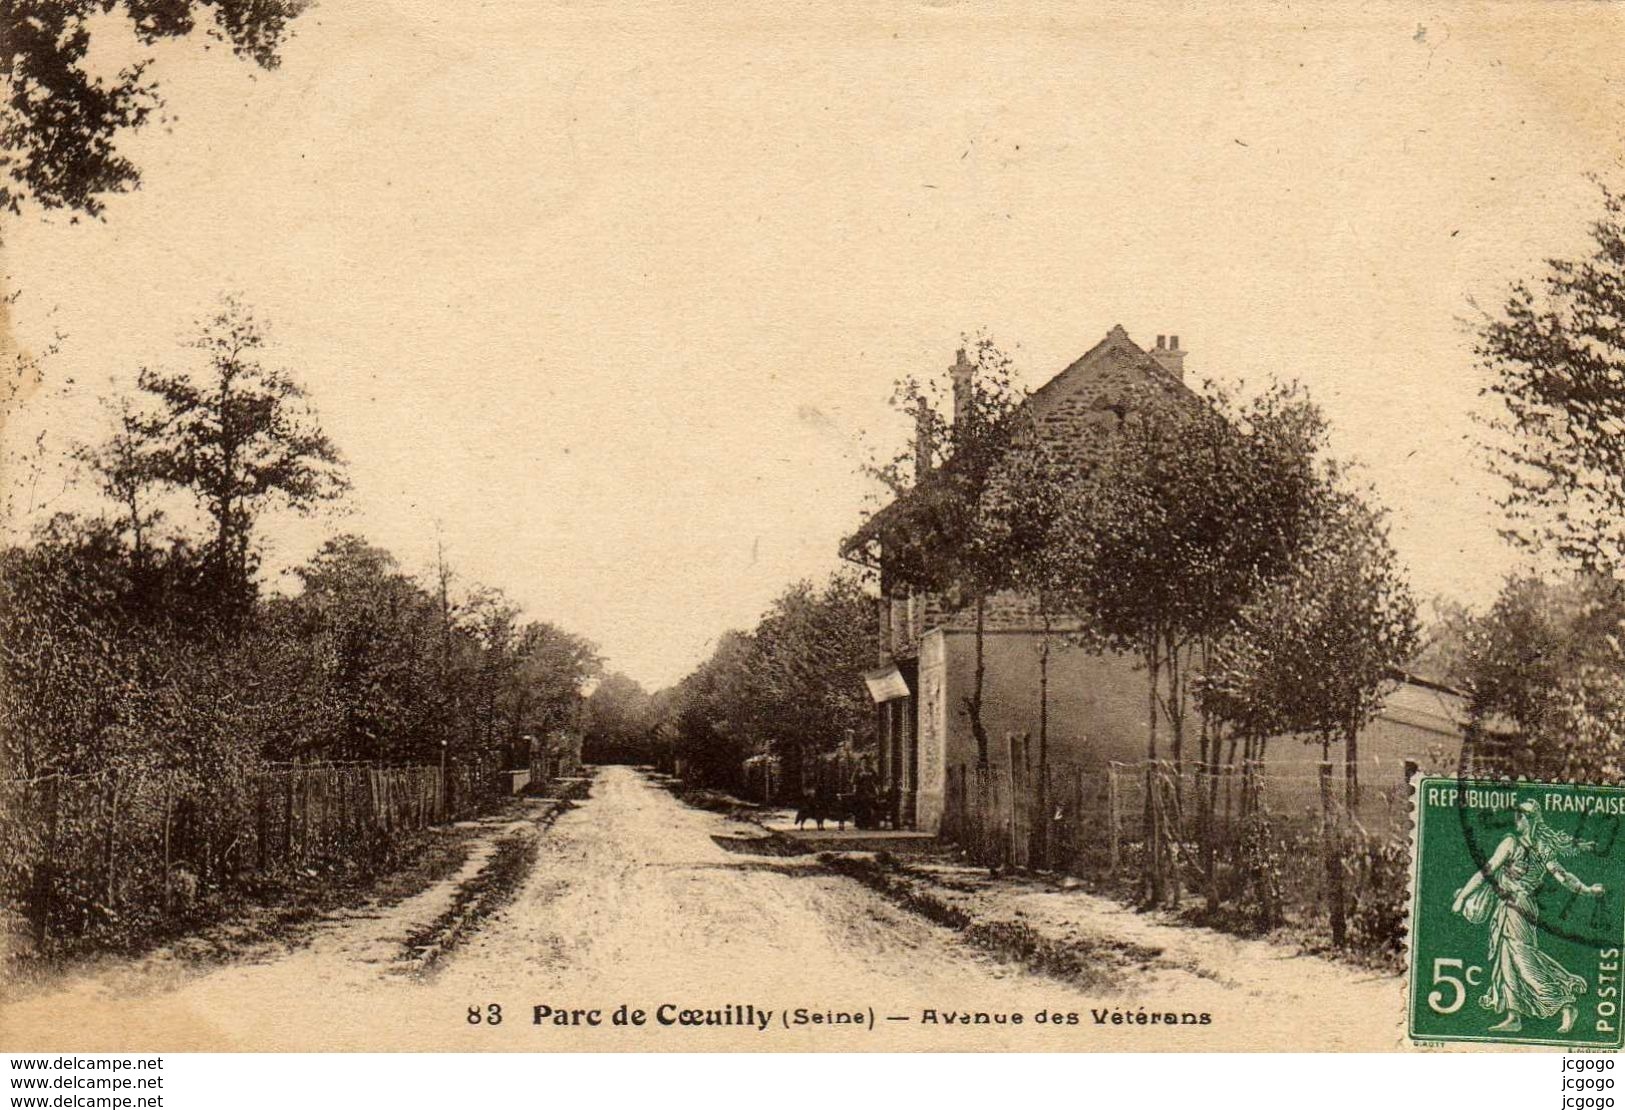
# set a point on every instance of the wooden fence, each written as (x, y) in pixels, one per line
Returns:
(112, 856)
(1262, 843)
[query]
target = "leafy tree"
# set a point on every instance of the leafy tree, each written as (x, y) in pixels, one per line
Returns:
(1544, 671)
(788, 688)
(492, 622)
(240, 439)
(809, 649)
(1586, 717)
(1182, 513)
(91, 685)
(1557, 355)
(719, 719)
(371, 633)
(123, 467)
(618, 721)
(1189, 504)
(552, 668)
(1312, 652)
(1445, 654)
(1034, 481)
(64, 657)
(60, 124)
(123, 692)
(1544, 663)
(955, 529)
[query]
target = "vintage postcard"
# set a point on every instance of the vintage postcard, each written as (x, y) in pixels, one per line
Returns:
(787, 527)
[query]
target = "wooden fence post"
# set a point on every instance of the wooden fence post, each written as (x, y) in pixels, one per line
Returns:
(1114, 815)
(1153, 885)
(44, 880)
(112, 845)
(287, 817)
(1074, 849)
(1329, 829)
(1012, 845)
(260, 825)
(1172, 797)
(1038, 836)
(169, 810)
(304, 815)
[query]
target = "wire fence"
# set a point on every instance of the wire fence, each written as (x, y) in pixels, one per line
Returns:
(1260, 845)
(112, 857)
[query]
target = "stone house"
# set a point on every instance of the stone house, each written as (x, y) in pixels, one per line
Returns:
(1096, 703)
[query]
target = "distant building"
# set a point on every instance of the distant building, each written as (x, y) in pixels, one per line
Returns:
(1097, 701)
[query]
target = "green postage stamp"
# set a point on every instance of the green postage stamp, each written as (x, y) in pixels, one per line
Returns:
(1517, 913)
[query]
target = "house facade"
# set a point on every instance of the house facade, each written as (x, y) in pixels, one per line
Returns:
(1094, 703)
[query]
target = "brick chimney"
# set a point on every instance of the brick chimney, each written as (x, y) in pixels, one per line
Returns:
(925, 444)
(963, 370)
(1169, 356)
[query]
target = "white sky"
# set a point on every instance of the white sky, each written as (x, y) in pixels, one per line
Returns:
(611, 296)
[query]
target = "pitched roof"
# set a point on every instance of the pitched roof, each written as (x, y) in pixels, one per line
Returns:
(1115, 361)
(1091, 390)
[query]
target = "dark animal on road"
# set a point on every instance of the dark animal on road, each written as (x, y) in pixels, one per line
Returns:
(823, 808)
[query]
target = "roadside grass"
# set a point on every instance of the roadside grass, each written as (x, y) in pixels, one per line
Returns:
(1087, 964)
(1376, 943)
(270, 915)
(770, 843)
(265, 918)
(712, 801)
(1310, 939)
(1085, 961)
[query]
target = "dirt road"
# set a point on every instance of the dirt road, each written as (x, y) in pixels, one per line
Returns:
(637, 899)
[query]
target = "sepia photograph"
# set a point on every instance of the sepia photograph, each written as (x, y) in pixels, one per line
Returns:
(917, 527)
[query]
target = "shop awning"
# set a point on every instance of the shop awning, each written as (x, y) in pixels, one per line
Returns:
(886, 684)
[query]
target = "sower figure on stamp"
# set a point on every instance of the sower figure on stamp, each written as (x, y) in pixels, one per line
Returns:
(1523, 980)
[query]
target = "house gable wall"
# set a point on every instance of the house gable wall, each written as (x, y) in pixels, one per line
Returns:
(1097, 707)
(1071, 412)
